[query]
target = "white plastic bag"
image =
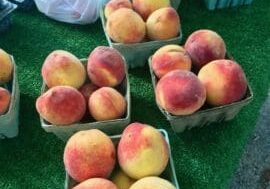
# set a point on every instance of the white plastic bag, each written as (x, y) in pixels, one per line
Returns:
(71, 11)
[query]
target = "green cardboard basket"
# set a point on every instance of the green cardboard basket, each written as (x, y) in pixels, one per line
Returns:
(168, 174)
(9, 122)
(219, 4)
(110, 127)
(136, 54)
(203, 116)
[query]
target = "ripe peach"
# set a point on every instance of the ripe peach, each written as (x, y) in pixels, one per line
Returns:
(163, 24)
(87, 89)
(96, 183)
(204, 46)
(106, 67)
(146, 7)
(106, 104)
(180, 92)
(4, 100)
(63, 68)
(122, 180)
(137, 147)
(6, 67)
(152, 182)
(113, 5)
(125, 26)
(224, 80)
(57, 105)
(89, 154)
(168, 58)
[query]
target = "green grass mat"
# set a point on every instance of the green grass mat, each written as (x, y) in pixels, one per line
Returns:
(204, 158)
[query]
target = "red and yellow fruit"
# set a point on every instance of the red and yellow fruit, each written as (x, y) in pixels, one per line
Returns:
(106, 104)
(6, 67)
(122, 180)
(57, 105)
(4, 100)
(125, 26)
(96, 183)
(163, 24)
(113, 5)
(225, 82)
(180, 92)
(137, 147)
(146, 7)
(152, 182)
(106, 67)
(168, 58)
(63, 68)
(89, 154)
(205, 46)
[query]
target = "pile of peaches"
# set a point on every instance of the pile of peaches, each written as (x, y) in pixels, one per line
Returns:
(136, 21)
(72, 96)
(142, 153)
(197, 74)
(6, 73)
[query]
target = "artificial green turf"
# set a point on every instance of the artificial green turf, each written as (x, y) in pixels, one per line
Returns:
(204, 158)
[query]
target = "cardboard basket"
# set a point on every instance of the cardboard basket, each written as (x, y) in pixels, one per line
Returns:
(110, 127)
(203, 116)
(168, 174)
(136, 54)
(9, 121)
(219, 4)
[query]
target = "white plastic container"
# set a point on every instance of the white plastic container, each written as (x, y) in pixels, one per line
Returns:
(9, 122)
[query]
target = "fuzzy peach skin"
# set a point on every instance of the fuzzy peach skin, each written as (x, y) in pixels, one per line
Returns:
(142, 151)
(122, 180)
(6, 67)
(146, 7)
(163, 24)
(113, 5)
(87, 89)
(125, 26)
(168, 58)
(4, 100)
(96, 183)
(106, 104)
(205, 46)
(63, 68)
(180, 92)
(89, 154)
(58, 105)
(152, 183)
(224, 80)
(106, 67)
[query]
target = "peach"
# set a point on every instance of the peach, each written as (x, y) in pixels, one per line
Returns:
(204, 46)
(163, 24)
(142, 151)
(87, 89)
(89, 154)
(96, 183)
(122, 180)
(113, 5)
(146, 7)
(4, 100)
(106, 67)
(106, 104)
(57, 105)
(63, 68)
(168, 58)
(125, 26)
(224, 80)
(6, 67)
(180, 92)
(152, 182)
